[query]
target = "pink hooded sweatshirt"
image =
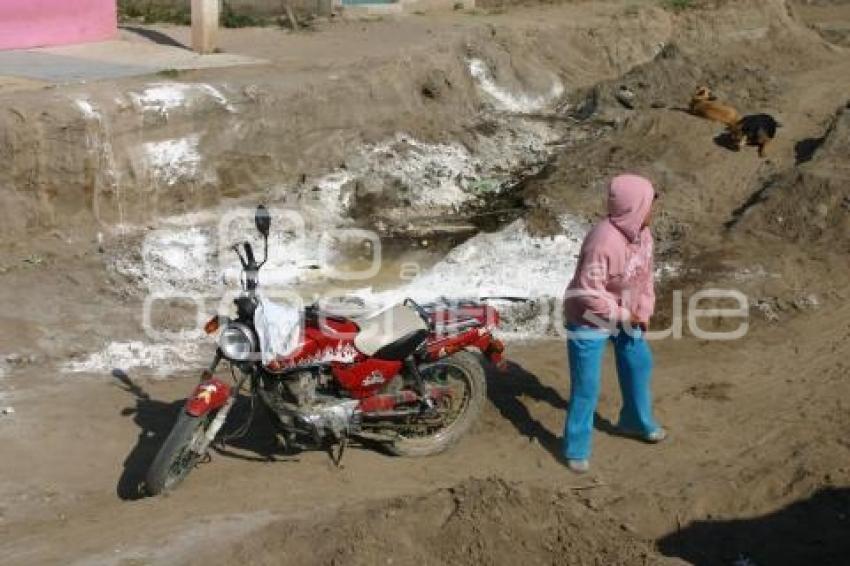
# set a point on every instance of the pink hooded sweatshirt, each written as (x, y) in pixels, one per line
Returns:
(614, 276)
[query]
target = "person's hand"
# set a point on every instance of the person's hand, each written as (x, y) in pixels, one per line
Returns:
(635, 322)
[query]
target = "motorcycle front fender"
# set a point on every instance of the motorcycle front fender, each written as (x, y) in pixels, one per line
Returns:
(209, 395)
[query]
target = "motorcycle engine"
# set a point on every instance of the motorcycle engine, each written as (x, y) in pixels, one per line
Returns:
(302, 387)
(305, 401)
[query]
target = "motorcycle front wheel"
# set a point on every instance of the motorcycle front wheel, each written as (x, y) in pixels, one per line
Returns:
(463, 373)
(176, 458)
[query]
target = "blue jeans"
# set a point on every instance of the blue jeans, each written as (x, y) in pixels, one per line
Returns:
(585, 348)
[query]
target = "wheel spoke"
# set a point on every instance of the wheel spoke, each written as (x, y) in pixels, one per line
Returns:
(450, 409)
(187, 458)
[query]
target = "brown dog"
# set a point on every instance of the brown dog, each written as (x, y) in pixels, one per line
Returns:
(705, 105)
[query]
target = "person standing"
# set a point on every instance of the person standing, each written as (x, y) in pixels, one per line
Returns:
(611, 298)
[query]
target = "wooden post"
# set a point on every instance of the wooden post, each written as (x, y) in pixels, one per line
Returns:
(325, 8)
(290, 15)
(204, 25)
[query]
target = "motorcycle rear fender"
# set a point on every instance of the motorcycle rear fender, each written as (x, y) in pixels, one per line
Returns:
(479, 338)
(481, 314)
(209, 395)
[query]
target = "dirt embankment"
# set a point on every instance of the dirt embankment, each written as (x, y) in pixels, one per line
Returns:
(756, 424)
(86, 162)
(782, 69)
(132, 151)
(808, 204)
(830, 18)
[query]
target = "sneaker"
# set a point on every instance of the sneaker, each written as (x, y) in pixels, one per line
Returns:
(578, 466)
(654, 437)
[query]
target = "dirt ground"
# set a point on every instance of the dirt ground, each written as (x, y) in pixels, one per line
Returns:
(757, 466)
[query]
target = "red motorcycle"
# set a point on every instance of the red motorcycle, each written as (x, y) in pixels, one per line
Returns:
(406, 378)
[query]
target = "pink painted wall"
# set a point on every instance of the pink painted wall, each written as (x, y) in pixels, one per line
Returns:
(33, 23)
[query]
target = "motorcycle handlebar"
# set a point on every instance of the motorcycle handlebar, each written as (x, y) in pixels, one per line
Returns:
(250, 268)
(235, 248)
(248, 261)
(249, 254)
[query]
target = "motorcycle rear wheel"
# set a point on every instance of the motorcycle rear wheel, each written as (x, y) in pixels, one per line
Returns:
(175, 458)
(463, 367)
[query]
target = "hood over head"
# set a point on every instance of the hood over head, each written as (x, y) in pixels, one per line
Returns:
(629, 200)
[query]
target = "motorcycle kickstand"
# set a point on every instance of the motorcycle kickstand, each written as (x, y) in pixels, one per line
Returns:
(336, 459)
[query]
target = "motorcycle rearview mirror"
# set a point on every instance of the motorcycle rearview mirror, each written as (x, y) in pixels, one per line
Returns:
(263, 220)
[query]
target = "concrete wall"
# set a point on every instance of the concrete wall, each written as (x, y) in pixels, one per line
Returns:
(267, 7)
(275, 7)
(256, 8)
(33, 23)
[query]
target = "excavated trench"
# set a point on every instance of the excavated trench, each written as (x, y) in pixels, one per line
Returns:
(474, 166)
(426, 214)
(417, 182)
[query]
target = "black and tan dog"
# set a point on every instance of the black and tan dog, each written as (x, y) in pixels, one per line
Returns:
(757, 130)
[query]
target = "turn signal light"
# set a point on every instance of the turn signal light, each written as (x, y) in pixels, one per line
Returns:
(212, 325)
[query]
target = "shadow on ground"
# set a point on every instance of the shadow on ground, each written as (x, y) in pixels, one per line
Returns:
(506, 390)
(726, 141)
(154, 36)
(804, 150)
(155, 419)
(811, 531)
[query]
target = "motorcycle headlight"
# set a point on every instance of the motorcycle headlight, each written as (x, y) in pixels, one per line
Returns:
(237, 342)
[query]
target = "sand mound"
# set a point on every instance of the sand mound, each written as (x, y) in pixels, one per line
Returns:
(479, 521)
(811, 203)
